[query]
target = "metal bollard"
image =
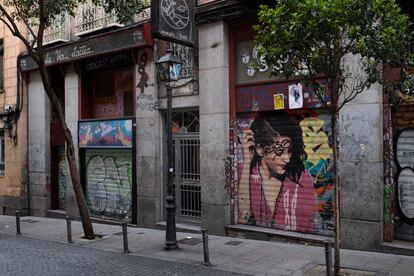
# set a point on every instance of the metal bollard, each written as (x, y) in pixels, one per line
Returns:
(205, 248)
(125, 235)
(328, 257)
(69, 228)
(18, 233)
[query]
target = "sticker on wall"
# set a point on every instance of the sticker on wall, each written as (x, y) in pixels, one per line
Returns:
(295, 96)
(278, 101)
(245, 56)
(250, 70)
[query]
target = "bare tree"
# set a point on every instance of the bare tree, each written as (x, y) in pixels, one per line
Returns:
(36, 16)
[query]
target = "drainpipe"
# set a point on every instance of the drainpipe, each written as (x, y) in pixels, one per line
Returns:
(18, 109)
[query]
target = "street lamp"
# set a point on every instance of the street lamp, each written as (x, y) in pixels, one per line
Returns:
(169, 67)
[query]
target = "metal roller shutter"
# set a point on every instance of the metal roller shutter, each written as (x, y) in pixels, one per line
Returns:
(285, 170)
(108, 175)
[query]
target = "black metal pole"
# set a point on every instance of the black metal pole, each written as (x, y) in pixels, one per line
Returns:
(205, 247)
(328, 257)
(170, 235)
(125, 235)
(69, 229)
(18, 233)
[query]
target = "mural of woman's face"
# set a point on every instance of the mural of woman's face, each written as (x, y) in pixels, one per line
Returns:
(277, 156)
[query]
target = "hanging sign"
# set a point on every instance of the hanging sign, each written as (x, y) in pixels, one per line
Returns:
(88, 47)
(173, 20)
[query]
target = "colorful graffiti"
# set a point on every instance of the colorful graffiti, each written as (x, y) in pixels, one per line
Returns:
(109, 183)
(285, 170)
(404, 152)
(114, 133)
(62, 188)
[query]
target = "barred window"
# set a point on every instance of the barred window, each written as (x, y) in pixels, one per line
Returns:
(2, 153)
(1, 66)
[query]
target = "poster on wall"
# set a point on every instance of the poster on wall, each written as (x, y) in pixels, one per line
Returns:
(261, 97)
(279, 101)
(285, 170)
(295, 96)
(108, 133)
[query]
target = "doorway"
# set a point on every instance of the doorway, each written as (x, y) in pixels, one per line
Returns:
(186, 143)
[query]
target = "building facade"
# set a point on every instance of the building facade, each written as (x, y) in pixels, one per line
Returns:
(13, 127)
(229, 117)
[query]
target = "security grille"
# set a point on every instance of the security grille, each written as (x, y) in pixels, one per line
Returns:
(186, 141)
(187, 175)
(2, 153)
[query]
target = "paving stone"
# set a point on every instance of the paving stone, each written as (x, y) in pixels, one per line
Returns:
(386, 264)
(28, 256)
(102, 256)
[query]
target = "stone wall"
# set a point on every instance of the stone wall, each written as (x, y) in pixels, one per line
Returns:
(214, 125)
(13, 193)
(148, 144)
(361, 170)
(39, 146)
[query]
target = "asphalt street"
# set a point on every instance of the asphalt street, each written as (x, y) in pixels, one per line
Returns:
(21, 255)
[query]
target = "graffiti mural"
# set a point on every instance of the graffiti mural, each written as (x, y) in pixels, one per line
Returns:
(62, 177)
(404, 152)
(109, 183)
(285, 170)
(109, 133)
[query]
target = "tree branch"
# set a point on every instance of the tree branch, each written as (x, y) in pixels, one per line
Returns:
(7, 25)
(40, 31)
(354, 93)
(315, 84)
(16, 32)
(26, 23)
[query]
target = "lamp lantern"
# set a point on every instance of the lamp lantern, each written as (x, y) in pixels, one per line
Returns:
(168, 67)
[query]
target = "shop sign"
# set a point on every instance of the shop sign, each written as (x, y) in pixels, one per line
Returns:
(109, 61)
(173, 20)
(106, 133)
(88, 47)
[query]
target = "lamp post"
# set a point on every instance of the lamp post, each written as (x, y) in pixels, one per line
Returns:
(168, 67)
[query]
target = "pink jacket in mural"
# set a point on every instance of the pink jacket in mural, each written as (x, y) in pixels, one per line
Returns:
(295, 204)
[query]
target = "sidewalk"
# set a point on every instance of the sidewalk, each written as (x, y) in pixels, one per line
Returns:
(226, 253)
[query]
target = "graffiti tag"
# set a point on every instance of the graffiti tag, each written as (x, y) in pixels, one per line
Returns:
(147, 102)
(108, 185)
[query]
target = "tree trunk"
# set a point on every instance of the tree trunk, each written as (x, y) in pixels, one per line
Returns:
(337, 244)
(70, 152)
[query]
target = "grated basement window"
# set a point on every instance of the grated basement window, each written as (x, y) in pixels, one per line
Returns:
(2, 153)
(1, 66)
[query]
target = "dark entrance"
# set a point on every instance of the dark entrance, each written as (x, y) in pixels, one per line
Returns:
(186, 141)
(57, 141)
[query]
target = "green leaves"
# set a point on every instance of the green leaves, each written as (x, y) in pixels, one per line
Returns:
(44, 11)
(320, 33)
(124, 9)
(408, 85)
